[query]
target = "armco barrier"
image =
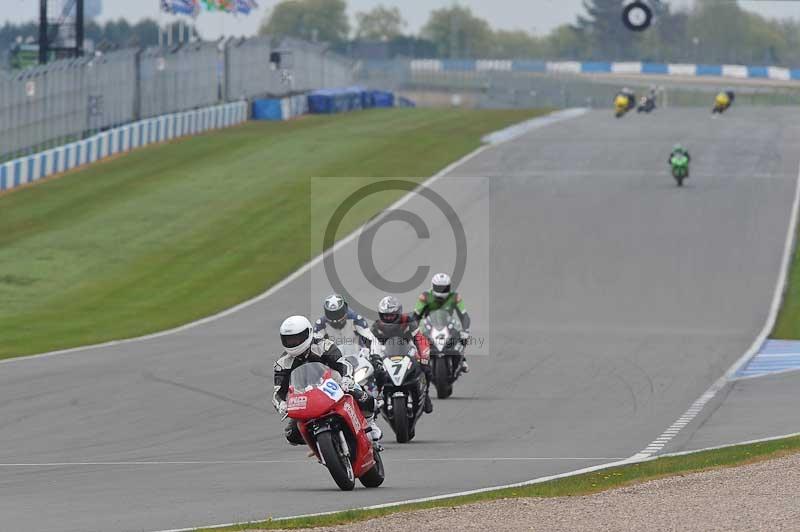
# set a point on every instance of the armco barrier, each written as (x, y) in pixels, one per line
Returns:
(31, 168)
(605, 67)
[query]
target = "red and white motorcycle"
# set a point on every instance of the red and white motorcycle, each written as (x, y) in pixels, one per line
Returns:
(333, 426)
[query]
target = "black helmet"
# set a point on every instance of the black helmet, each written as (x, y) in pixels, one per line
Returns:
(336, 310)
(390, 309)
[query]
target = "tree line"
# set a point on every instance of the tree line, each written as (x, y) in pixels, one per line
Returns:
(108, 36)
(713, 31)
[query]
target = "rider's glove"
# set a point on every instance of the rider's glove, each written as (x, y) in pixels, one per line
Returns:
(282, 408)
(348, 384)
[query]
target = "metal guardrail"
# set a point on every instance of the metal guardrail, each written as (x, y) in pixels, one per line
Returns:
(68, 100)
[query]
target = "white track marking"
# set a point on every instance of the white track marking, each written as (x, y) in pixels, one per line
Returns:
(540, 480)
(270, 462)
(424, 499)
(730, 375)
(529, 125)
(649, 453)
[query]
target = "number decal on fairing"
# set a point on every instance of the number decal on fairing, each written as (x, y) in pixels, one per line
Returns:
(332, 389)
(397, 367)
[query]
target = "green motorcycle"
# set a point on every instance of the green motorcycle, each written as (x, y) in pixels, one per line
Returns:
(680, 167)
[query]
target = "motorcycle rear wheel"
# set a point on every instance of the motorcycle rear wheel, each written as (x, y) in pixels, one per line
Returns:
(337, 463)
(400, 419)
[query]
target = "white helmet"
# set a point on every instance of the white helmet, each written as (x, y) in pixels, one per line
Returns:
(440, 285)
(296, 335)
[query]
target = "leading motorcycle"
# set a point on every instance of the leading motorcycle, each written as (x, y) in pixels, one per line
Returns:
(404, 388)
(444, 330)
(680, 167)
(622, 104)
(333, 426)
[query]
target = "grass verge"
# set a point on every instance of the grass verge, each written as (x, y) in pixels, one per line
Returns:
(787, 326)
(584, 484)
(174, 232)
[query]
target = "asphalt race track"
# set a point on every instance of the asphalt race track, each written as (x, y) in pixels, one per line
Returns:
(608, 298)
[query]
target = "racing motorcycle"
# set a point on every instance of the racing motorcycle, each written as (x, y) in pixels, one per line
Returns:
(404, 388)
(443, 330)
(680, 167)
(333, 426)
(722, 102)
(623, 104)
(646, 104)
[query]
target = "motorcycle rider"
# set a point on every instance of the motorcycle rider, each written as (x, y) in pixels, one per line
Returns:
(300, 347)
(342, 324)
(628, 94)
(678, 149)
(392, 323)
(440, 296)
(723, 100)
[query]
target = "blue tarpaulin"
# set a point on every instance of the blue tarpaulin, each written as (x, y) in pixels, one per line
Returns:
(267, 110)
(327, 101)
(382, 99)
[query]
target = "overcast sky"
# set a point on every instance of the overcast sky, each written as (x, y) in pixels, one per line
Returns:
(538, 16)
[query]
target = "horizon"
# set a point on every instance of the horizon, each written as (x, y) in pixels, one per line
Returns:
(544, 15)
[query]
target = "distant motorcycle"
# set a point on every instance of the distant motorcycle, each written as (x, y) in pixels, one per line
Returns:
(333, 426)
(680, 168)
(623, 104)
(404, 389)
(722, 102)
(646, 104)
(443, 330)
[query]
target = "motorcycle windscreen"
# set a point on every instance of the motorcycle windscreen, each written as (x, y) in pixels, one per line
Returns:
(308, 376)
(396, 346)
(441, 319)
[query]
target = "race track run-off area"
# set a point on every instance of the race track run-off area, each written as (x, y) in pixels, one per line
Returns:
(614, 300)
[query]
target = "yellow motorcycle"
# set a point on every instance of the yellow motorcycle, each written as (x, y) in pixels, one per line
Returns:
(623, 104)
(722, 102)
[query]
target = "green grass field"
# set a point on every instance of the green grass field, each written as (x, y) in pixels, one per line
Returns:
(787, 327)
(171, 233)
(585, 484)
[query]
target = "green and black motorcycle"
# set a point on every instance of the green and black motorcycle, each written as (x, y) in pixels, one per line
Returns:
(680, 167)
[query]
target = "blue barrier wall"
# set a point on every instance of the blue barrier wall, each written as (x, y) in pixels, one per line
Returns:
(595, 67)
(603, 67)
(708, 70)
(524, 65)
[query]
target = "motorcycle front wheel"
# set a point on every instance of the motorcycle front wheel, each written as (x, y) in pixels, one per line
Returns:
(441, 378)
(336, 461)
(400, 419)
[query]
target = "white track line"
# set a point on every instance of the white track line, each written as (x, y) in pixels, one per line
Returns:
(309, 461)
(730, 375)
(493, 141)
(424, 499)
(649, 452)
(539, 480)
